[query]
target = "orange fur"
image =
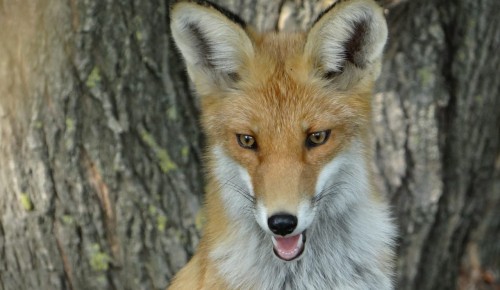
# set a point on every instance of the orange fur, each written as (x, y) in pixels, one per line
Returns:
(278, 83)
(279, 98)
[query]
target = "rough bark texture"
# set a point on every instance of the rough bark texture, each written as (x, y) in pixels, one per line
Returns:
(100, 178)
(437, 127)
(100, 150)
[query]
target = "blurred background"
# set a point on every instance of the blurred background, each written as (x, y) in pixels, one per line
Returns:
(101, 179)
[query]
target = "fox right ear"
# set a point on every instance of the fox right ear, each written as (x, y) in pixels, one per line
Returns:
(347, 41)
(212, 41)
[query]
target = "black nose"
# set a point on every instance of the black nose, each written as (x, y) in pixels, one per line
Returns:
(282, 224)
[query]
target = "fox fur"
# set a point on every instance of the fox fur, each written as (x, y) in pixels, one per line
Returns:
(264, 98)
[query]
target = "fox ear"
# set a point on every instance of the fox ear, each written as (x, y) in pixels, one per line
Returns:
(346, 38)
(212, 41)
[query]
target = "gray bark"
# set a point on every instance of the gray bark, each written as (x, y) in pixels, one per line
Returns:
(437, 126)
(101, 179)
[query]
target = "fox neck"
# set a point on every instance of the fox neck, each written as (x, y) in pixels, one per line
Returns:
(350, 233)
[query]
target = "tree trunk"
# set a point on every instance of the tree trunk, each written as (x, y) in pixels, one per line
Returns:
(437, 126)
(101, 178)
(101, 181)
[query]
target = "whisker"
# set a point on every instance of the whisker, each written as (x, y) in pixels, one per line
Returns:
(242, 191)
(333, 189)
(332, 186)
(329, 191)
(248, 209)
(222, 184)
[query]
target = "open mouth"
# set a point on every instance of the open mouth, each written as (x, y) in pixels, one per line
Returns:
(289, 248)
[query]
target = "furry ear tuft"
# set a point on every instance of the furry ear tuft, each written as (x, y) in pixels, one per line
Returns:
(348, 34)
(212, 41)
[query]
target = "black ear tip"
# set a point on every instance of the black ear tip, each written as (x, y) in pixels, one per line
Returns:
(230, 15)
(326, 11)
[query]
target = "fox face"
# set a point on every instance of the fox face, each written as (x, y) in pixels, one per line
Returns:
(286, 116)
(283, 165)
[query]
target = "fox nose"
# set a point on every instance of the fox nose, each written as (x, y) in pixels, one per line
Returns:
(282, 224)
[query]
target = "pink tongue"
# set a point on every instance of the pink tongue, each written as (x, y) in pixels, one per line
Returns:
(288, 244)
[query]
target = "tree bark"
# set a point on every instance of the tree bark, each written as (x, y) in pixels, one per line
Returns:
(101, 179)
(437, 125)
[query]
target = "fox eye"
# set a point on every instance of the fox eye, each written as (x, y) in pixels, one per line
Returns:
(246, 141)
(317, 138)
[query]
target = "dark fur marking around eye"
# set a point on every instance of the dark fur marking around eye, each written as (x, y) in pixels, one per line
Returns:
(230, 15)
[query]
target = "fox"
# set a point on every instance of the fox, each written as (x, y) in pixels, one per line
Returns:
(290, 196)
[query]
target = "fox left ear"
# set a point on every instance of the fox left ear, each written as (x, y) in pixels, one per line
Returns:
(213, 42)
(347, 39)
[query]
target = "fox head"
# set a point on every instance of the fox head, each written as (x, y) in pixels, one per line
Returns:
(286, 116)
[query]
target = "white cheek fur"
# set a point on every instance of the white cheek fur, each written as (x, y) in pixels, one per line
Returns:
(246, 179)
(261, 217)
(345, 177)
(347, 232)
(233, 179)
(305, 216)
